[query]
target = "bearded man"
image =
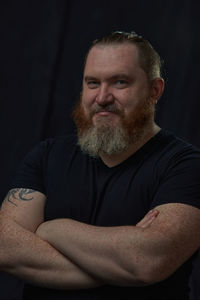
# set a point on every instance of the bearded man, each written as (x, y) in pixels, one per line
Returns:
(114, 212)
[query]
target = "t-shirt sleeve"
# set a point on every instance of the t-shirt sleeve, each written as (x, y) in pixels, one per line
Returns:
(180, 183)
(30, 173)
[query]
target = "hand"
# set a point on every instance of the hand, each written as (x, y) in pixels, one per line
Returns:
(148, 219)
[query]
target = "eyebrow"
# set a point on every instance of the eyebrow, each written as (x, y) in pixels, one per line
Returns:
(114, 77)
(120, 76)
(88, 78)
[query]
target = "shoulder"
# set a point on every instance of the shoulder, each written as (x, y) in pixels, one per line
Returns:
(171, 144)
(53, 145)
(166, 154)
(62, 142)
(176, 172)
(48, 154)
(173, 152)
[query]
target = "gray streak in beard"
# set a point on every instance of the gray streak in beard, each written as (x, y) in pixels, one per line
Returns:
(103, 140)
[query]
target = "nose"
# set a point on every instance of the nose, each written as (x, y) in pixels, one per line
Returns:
(104, 95)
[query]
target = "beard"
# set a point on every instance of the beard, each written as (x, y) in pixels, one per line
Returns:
(105, 138)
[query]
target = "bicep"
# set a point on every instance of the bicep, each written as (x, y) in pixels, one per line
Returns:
(25, 206)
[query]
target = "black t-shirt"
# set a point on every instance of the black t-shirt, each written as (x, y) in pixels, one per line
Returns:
(164, 170)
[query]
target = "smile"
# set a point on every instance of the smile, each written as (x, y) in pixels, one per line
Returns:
(105, 113)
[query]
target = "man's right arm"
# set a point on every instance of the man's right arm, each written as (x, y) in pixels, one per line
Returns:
(25, 255)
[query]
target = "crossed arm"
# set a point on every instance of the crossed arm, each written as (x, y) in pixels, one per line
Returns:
(129, 255)
(66, 254)
(26, 255)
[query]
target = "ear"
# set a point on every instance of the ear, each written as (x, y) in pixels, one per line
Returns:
(157, 88)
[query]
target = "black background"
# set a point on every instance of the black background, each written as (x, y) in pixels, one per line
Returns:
(43, 43)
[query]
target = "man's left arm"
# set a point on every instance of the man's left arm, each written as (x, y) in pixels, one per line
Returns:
(129, 255)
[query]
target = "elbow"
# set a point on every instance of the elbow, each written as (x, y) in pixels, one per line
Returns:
(136, 276)
(154, 272)
(148, 277)
(149, 272)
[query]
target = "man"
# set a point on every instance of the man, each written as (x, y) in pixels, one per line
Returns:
(115, 213)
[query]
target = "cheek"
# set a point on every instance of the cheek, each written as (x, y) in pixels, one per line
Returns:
(86, 105)
(87, 98)
(134, 98)
(126, 100)
(131, 105)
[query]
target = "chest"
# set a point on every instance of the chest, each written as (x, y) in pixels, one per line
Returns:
(93, 195)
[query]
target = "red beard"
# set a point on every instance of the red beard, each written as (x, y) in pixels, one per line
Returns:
(134, 125)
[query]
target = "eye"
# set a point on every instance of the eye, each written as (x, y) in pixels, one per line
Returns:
(92, 84)
(121, 83)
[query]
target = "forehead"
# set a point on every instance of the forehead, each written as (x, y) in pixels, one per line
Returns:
(122, 58)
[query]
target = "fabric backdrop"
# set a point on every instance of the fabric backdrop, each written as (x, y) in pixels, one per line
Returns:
(43, 43)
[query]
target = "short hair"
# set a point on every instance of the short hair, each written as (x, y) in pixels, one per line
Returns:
(150, 60)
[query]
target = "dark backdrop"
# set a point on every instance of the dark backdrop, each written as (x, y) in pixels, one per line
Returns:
(43, 43)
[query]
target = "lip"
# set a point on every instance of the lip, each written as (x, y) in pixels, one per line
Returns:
(104, 113)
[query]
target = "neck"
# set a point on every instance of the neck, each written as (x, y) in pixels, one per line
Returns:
(116, 159)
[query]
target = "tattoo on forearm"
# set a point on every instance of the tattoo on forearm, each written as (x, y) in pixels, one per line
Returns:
(19, 194)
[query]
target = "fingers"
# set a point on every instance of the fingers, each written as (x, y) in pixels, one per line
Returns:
(148, 219)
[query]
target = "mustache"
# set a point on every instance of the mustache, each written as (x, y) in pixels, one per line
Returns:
(107, 108)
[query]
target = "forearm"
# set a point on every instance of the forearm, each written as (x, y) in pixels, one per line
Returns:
(101, 251)
(27, 256)
(129, 255)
